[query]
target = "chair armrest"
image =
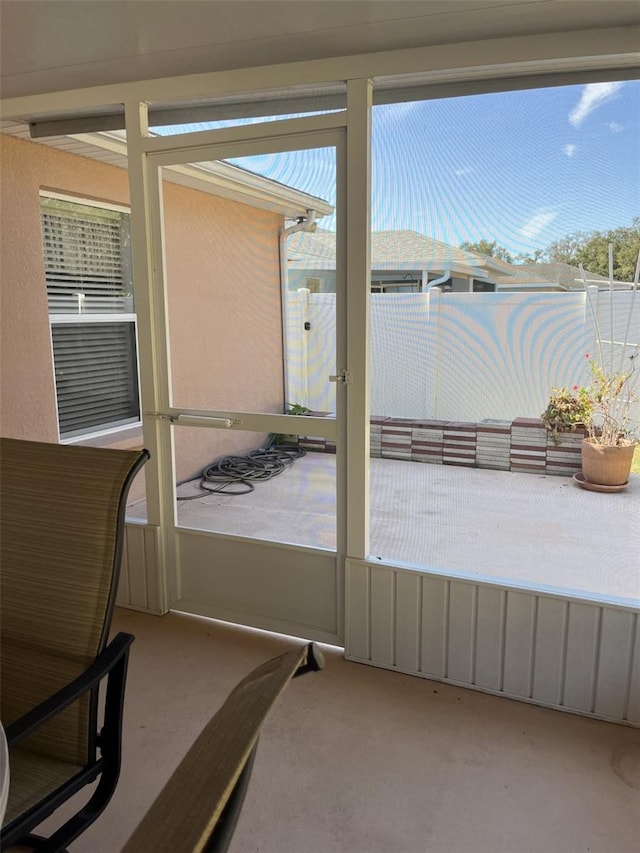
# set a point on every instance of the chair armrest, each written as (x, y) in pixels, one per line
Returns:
(215, 771)
(67, 695)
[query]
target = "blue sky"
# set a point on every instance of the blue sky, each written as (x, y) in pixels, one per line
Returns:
(523, 168)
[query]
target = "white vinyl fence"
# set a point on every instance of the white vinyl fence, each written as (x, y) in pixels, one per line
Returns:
(463, 356)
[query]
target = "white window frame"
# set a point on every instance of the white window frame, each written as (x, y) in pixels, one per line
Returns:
(115, 427)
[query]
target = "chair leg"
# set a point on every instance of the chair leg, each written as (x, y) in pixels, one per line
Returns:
(314, 662)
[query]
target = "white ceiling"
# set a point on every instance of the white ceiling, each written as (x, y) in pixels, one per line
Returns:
(52, 45)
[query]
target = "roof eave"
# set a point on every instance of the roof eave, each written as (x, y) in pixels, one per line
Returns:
(226, 180)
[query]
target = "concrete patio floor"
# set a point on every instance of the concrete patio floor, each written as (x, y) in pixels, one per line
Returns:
(356, 759)
(537, 529)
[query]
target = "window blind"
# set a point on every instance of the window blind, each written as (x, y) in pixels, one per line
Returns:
(96, 375)
(87, 253)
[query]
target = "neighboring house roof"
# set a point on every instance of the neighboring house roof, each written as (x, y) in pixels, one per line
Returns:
(564, 274)
(390, 250)
(560, 276)
(411, 251)
(524, 277)
(570, 276)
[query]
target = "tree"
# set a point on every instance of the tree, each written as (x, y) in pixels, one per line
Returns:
(532, 258)
(566, 249)
(592, 250)
(492, 249)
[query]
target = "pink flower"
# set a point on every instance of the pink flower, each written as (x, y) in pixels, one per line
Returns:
(587, 355)
(575, 388)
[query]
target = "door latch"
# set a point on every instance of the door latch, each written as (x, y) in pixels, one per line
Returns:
(344, 376)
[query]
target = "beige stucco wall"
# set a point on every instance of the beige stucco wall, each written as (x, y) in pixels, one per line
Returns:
(224, 300)
(225, 318)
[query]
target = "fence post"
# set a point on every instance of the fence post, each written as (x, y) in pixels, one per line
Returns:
(435, 349)
(295, 361)
(305, 295)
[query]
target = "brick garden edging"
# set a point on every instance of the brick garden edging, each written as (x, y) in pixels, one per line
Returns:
(520, 445)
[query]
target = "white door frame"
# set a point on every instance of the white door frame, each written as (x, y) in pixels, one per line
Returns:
(348, 133)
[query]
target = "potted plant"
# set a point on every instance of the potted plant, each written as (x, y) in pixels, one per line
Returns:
(607, 450)
(603, 409)
(604, 406)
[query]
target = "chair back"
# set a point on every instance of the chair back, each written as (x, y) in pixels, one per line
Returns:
(62, 511)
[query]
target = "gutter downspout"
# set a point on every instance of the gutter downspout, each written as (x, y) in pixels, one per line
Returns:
(308, 224)
(436, 281)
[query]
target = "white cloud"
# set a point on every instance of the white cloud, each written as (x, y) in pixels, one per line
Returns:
(389, 115)
(593, 96)
(537, 223)
(399, 110)
(614, 127)
(570, 149)
(467, 170)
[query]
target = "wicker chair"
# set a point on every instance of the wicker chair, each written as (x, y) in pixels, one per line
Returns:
(62, 525)
(197, 810)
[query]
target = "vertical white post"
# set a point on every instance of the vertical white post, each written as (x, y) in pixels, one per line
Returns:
(305, 295)
(435, 312)
(148, 268)
(358, 297)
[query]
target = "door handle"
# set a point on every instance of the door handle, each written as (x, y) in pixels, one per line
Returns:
(344, 376)
(197, 420)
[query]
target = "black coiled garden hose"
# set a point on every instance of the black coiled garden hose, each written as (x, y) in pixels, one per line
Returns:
(234, 475)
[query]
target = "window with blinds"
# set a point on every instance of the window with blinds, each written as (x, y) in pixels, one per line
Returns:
(87, 252)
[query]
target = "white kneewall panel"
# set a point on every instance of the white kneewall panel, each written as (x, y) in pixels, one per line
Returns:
(140, 586)
(561, 652)
(264, 585)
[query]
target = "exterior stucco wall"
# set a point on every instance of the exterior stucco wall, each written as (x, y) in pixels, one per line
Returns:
(225, 325)
(224, 301)
(28, 408)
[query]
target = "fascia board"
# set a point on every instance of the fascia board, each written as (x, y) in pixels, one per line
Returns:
(253, 190)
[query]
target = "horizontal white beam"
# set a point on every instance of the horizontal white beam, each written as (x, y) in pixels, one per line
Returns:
(251, 421)
(285, 129)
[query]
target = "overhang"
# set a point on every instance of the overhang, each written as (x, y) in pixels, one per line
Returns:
(216, 178)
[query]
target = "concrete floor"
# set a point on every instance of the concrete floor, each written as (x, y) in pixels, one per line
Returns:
(362, 760)
(537, 529)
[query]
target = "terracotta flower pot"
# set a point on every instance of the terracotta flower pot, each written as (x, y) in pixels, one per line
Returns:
(606, 465)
